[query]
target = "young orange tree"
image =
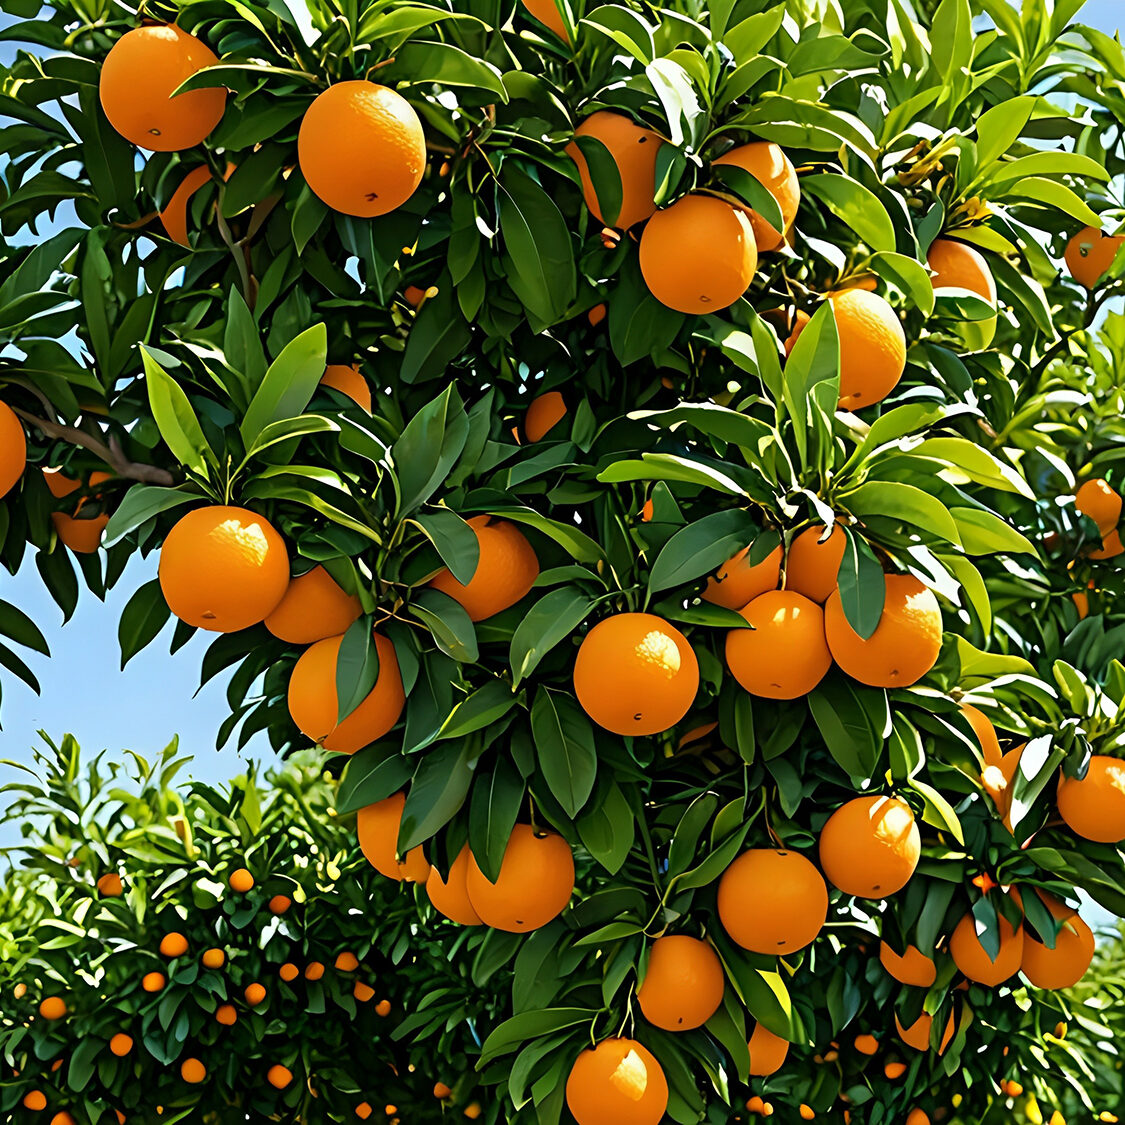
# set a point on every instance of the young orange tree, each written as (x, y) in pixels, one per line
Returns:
(666, 459)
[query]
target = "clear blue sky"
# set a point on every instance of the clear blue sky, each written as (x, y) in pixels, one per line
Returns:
(84, 692)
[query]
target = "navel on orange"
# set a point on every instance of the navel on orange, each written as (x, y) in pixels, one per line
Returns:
(633, 149)
(314, 608)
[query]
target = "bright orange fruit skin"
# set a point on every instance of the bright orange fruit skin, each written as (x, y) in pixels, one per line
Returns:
(913, 967)
(769, 165)
(450, 897)
(547, 14)
(314, 608)
(140, 74)
(1098, 499)
(348, 381)
(767, 1051)
(1094, 808)
(1066, 964)
(361, 148)
(684, 983)
(872, 348)
(506, 570)
(870, 847)
(738, 582)
(378, 826)
(544, 412)
(1089, 254)
(812, 568)
(633, 149)
(956, 265)
(971, 959)
(82, 536)
(174, 216)
(619, 1082)
(13, 449)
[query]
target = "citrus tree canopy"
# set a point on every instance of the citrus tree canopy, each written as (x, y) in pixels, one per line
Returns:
(666, 458)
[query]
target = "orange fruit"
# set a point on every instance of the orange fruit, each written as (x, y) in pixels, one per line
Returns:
(917, 1035)
(364, 1110)
(506, 570)
(894, 1070)
(62, 1118)
(633, 149)
(546, 12)
(473, 1110)
(1111, 547)
(109, 885)
(450, 897)
(347, 962)
(699, 255)
(174, 217)
(254, 993)
(13, 449)
(1066, 964)
(1098, 499)
(314, 970)
(870, 846)
(985, 732)
(738, 582)
(363, 992)
(241, 881)
(767, 1051)
(917, 1117)
(383, 1008)
(766, 162)
(544, 412)
(35, 1099)
(812, 567)
(635, 674)
(193, 1072)
(53, 1008)
(784, 655)
(152, 982)
(361, 148)
(1082, 602)
(905, 644)
(535, 882)
(280, 904)
(619, 1082)
(279, 1076)
(348, 381)
(141, 72)
(223, 569)
(974, 962)
(1094, 808)
(226, 1014)
(414, 295)
(441, 1090)
(683, 985)
(997, 781)
(173, 945)
(866, 1044)
(597, 314)
(213, 959)
(872, 348)
(1089, 254)
(289, 972)
(807, 1113)
(912, 967)
(956, 265)
(313, 701)
(378, 826)
(82, 536)
(120, 1045)
(772, 901)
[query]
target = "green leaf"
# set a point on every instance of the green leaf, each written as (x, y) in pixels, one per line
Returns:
(484, 706)
(357, 666)
(438, 337)
(564, 743)
(751, 191)
(701, 548)
(493, 809)
(1053, 194)
(288, 384)
(552, 619)
(371, 775)
(419, 63)
(897, 501)
(514, 1033)
(854, 722)
(907, 275)
(625, 28)
(938, 811)
(144, 615)
(437, 791)
(863, 587)
(607, 829)
(175, 418)
(855, 206)
(309, 212)
(449, 624)
(18, 627)
(985, 533)
(604, 175)
(455, 540)
(428, 449)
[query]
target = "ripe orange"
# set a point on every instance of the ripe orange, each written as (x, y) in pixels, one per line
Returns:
(1098, 499)
(1111, 547)
(226, 1014)
(62, 1118)
(812, 567)
(784, 655)
(223, 569)
(894, 1070)
(280, 904)
(193, 1072)
(1089, 254)
(535, 883)
(956, 265)
(378, 827)
(912, 967)
(684, 983)
(635, 674)
(619, 1082)
(241, 881)
(314, 970)
(917, 1117)
(506, 570)
(633, 149)
(289, 972)
(254, 993)
(974, 962)
(174, 217)
(363, 992)
(872, 347)
(738, 582)
(544, 412)
(109, 885)
(414, 295)
(346, 962)
(699, 255)
(13, 449)
(917, 1035)
(1066, 964)
(546, 12)
(997, 783)
(767, 1051)
(53, 1008)
(120, 1045)
(985, 732)
(313, 701)
(213, 958)
(441, 1090)
(383, 1008)
(766, 162)
(279, 1076)
(473, 1110)
(173, 945)
(82, 536)
(450, 897)
(870, 847)
(361, 148)
(140, 74)
(364, 1111)
(35, 1099)
(772, 901)
(866, 1044)
(1094, 807)
(152, 982)
(905, 644)
(348, 381)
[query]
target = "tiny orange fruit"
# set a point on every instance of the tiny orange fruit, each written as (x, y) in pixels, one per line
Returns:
(289, 972)
(152, 982)
(280, 904)
(173, 945)
(120, 1045)
(441, 1090)
(110, 886)
(347, 962)
(254, 993)
(213, 958)
(53, 1008)
(383, 1008)
(279, 1076)
(241, 881)
(866, 1044)
(314, 970)
(363, 992)
(35, 1099)
(1089, 254)
(226, 1014)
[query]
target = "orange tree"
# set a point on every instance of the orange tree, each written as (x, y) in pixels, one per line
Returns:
(665, 457)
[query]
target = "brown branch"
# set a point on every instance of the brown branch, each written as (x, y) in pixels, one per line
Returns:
(112, 454)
